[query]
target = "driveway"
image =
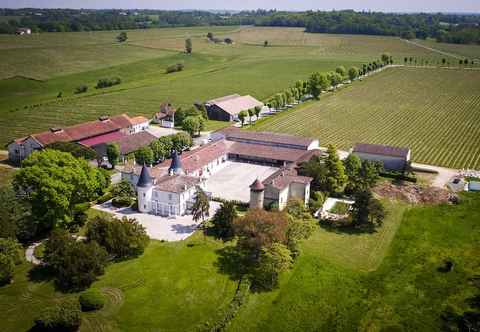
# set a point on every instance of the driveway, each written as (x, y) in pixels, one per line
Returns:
(158, 131)
(159, 228)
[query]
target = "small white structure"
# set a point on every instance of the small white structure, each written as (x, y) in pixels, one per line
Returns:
(257, 191)
(138, 124)
(474, 186)
(166, 116)
(325, 213)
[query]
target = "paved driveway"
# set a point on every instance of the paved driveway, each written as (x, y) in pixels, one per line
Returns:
(234, 179)
(159, 228)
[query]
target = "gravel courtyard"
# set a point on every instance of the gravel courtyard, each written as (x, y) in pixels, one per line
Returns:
(159, 228)
(233, 180)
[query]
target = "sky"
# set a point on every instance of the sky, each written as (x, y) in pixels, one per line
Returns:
(373, 5)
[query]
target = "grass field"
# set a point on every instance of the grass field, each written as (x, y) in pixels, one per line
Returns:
(405, 293)
(36, 68)
(435, 112)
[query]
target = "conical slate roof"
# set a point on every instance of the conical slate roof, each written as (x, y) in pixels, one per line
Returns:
(176, 165)
(145, 179)
(257, 185)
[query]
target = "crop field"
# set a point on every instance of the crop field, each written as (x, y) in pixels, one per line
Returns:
(435, 112)
(471, 52)
(35, 69)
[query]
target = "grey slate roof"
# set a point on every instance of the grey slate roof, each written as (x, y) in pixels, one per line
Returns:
(145, 179)
(383, 150)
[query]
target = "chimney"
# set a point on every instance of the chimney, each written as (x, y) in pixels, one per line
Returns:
(56, 130)
(104, 118)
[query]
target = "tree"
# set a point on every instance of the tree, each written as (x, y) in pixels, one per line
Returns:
(314, 86)
(124, 188)
(77, 150)
(353, 73)
(316, 169)
(201, 206)
(188, 46)
(182, 114)
(16, 217)
(265, 43)
(181, 141)
(53, 182)
(251, 112)
(9, 257)
(260, 229)
(122, 37)
(241, 116)
(386, 58)
(367, 210)
(121, 238)
(369, 174)
(223, 220)
(336, 177)
(76, 264)
(113, 154)
(341, 71)
(272, 261)
(144, 156)
(228, 40)
(334, 78)
(444, 61)
(353, 165)
(210, 36)
(193, 125)
(257, 110)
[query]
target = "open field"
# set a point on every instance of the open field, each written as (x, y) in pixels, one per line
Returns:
(435, 112)
(406, 293)
(35, 69)
(468, 51)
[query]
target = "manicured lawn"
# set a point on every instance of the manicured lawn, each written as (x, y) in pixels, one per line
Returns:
(173, 286)
(406, 292)
(432, 111)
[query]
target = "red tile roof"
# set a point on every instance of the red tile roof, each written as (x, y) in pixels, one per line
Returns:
(138, 120)
(284, 177)
(83, 131)
(257, 185)
(384, 150)
(134, 142)
(265, 137)
(266, 152)
(106, 138)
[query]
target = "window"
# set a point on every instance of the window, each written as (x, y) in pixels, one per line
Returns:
(145, 206)
(143, 194)
(169, 197)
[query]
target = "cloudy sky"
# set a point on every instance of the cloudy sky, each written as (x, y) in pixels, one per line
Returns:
(377, 5)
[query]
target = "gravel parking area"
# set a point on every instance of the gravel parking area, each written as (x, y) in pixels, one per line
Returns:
(159, 228)
(233, 181)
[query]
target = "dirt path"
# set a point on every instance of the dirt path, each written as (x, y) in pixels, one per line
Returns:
(30, 253)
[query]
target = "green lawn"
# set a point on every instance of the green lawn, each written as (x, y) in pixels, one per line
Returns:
(405, 293)
(432, 111)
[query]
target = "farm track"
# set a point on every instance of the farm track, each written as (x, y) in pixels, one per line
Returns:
(434, 112)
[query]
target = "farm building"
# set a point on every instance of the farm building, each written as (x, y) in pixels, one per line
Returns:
(227, 108)
(276, 150)
(104, 130)
(393, 158)
(127, 144)
(23, 31)
(166, 116)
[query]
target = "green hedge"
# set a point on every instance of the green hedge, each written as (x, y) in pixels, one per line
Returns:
(64, 316)
(399, 176)
(91, 300)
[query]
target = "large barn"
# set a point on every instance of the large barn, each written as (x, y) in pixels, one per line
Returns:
(227, 108)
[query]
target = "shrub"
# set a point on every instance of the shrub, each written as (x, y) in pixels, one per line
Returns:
(91, 300)
(7, 267)
(122, 201)
(121, 238)
(105, 198)
(81, 89)
(64, 316)
(108, 82)
(399, 176)
(175, 68)
(9, 257)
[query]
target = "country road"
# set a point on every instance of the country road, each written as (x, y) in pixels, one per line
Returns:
(456, 56)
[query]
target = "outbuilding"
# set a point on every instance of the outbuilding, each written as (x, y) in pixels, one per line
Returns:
(227, 108)
(393, 158)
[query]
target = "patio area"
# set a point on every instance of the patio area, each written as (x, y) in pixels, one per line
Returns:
(175, 228)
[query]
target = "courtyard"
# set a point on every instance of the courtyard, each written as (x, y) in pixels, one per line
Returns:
(233, 181)
(174, 228)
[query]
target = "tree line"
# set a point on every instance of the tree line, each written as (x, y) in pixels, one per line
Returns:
(451, 28)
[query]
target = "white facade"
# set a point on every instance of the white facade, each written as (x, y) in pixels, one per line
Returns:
(210, 169)
(166, 203)
(281, 197)
(139, 127)
(144, 196)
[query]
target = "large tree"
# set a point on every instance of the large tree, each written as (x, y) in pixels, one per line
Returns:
(16, 217)
(113, 154)
(353, 73)
(121, 238)
(193, 125)
(242, 116)
(223, 220)
(9, 257)
(367, 211)
(201, 206)
(336, 177)
(188, 46)
(272, 261)
(76, 264)
(144, 156)
(53, 182)
(353, 165)
(314, 86)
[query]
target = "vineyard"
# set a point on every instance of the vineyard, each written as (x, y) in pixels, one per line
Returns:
(435, 112)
